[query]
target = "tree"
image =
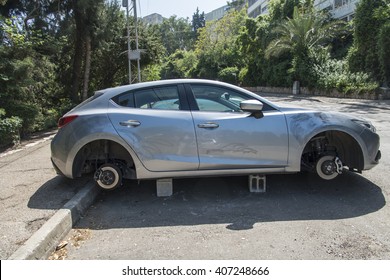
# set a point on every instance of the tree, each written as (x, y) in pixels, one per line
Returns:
(368, 38)
(253, 41)
(198, 21)
(26, 77)
(86, 19)
(304, 32)
(181, 64)
(176, 34)
(217, 46)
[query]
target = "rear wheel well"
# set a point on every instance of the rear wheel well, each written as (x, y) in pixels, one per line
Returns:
(334, 143)
(96, 153)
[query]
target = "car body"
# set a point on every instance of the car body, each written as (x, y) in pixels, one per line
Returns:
(189, 128)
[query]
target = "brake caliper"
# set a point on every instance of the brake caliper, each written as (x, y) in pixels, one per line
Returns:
(339, 165)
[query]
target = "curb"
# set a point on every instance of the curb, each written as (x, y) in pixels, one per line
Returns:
(42, 243)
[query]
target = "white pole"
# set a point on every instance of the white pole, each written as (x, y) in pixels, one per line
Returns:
(136, 38)
(128, 38)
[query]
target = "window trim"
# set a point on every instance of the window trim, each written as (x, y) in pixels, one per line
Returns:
(183, 106)
(194, 105)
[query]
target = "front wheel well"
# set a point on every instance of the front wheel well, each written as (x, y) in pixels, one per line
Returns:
(96, 153)
(335, 143)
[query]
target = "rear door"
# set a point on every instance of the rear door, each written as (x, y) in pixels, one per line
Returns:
(157, 123)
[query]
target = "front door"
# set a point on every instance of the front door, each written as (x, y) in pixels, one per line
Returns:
(229, 138)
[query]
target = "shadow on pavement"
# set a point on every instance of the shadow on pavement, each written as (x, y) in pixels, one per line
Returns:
(226, 200)
(56, 192)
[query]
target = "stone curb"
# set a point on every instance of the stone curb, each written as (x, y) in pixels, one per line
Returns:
(42, 243)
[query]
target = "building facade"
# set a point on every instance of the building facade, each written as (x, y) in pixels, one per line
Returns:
(217, 13)
(257, 7)
(340, 9)
(153, 19)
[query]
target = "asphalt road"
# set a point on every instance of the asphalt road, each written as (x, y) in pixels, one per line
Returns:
(30, 192)
(300, 216)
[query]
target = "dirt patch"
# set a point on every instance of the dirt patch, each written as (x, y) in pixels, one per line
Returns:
(75, 239)
(356, 247)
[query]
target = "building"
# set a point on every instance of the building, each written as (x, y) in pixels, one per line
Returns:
(340, 9)
(257, 7)
(217, 13)
(221, 12)
(153, 19)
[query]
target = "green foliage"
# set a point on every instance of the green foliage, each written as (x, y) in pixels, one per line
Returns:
(198, 21)
(305, 32)
(335, 74)
(228, 75)
(367, 51)
(9, 131)
(177, 34)
(181, 64)
(28, 113)
(151, 73)
(384, 52)
(217, 46)
(27, 78)
(280, 10)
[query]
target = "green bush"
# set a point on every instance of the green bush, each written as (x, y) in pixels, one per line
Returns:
(228, 75)
(27, 112)
(45, 120)
(335, 74)
(10, 131)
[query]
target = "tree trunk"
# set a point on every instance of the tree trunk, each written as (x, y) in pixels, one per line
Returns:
(78, 54)
(87, 68)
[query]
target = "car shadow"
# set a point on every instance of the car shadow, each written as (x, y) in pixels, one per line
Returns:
(56, 192)
(226, 200)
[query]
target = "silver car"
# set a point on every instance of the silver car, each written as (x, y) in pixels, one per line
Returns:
(188, 128)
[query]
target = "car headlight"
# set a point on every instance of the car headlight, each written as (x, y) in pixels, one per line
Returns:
(366, 124)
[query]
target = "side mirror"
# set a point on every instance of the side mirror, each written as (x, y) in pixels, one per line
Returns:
(253, 106)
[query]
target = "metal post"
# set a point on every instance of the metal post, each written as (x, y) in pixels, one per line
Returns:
(128, 37)
(136, 38)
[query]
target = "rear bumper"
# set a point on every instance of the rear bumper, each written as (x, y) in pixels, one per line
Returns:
(378, 157)
(58, 171)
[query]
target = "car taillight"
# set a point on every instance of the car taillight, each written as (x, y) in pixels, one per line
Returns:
(65, 120)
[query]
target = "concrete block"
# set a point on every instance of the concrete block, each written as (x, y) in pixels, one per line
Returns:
(164, 187)
(257, 183)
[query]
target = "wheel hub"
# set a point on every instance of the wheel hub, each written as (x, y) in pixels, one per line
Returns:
(107, 177)
(329, 167)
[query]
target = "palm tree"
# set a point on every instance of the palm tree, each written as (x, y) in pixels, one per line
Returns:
(305, 32)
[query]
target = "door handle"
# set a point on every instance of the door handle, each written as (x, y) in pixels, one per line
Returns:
(130, 123)
(209, 125)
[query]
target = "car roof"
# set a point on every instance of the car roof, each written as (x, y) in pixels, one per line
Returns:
(107, 94)
(111, 92)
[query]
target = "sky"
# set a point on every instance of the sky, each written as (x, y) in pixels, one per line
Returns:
(181, 8)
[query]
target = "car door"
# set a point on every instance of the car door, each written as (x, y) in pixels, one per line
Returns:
(158, 126)
(230, 138)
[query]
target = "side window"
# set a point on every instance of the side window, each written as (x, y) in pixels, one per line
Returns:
(217, 99)
(125, 100)
(164, 98)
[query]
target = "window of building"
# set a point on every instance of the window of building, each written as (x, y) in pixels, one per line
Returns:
(340, 3)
